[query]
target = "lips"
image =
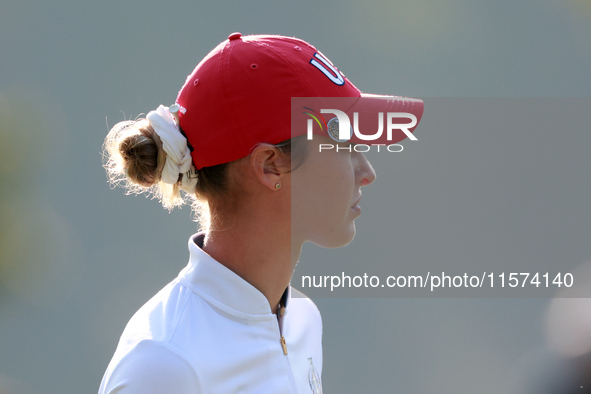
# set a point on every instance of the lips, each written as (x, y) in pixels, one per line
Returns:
(356, 203)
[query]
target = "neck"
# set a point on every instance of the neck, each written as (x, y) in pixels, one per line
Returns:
(258, 248)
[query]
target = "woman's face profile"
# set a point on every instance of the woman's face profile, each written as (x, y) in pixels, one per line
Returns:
(325, 193)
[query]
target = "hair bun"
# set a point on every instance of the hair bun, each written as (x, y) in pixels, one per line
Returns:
(134, 158)
(133, 152)
(139, 154)
(133, 155)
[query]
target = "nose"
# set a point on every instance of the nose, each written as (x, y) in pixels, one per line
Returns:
(365, 174)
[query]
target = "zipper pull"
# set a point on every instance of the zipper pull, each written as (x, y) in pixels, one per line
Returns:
(283, 345)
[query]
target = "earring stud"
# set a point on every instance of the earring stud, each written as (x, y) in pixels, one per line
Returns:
(277, 186)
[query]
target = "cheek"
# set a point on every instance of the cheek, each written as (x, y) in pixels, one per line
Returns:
(322, 191)
(336, 189)
(342, 177)
(339, 189)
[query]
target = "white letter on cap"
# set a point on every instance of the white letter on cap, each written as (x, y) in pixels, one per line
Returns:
(335, 76)
(403, 127)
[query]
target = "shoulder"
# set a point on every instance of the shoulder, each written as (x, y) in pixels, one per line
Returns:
(151, 368)
(158, 318)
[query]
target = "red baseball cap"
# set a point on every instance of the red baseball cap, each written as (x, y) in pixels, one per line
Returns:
(240, 95)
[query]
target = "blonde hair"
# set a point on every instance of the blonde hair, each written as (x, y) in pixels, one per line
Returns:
(134, 159)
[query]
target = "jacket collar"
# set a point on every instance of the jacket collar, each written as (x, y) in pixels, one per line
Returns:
(222, 288)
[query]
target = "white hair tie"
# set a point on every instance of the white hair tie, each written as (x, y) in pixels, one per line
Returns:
(178, 154)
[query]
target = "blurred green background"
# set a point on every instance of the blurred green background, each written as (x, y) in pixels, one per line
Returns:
(77, 259)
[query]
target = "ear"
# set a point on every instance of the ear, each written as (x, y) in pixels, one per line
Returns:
(269, 165)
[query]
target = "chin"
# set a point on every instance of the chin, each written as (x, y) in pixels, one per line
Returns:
(337, 240)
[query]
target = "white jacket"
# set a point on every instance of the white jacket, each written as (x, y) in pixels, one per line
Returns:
(210, 331)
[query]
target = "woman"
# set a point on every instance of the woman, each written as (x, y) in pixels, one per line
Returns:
(230, 322)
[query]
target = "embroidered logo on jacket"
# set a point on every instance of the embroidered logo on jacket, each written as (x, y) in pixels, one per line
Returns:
(314, 379)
